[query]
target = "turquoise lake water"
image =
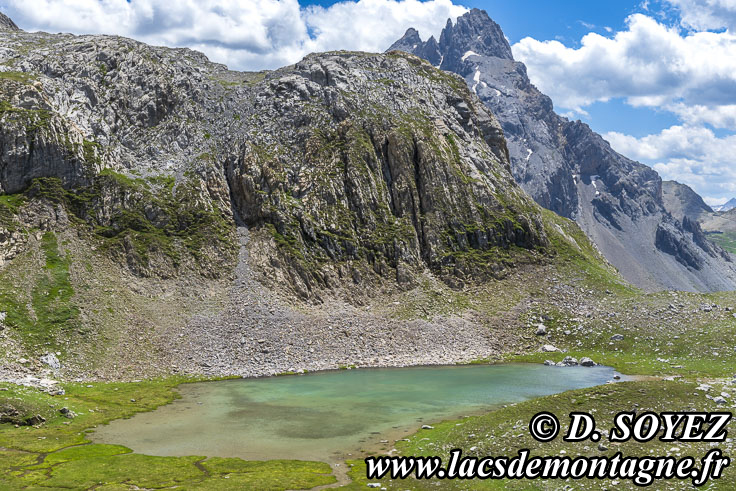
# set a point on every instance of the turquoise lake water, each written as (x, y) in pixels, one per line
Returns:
(330, 415)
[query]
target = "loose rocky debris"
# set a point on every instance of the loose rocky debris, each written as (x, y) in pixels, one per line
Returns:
(10, 414)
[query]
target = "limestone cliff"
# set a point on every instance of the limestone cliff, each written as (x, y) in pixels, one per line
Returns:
(350, 168)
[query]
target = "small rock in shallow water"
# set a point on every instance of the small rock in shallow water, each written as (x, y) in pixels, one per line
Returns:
(549, 363)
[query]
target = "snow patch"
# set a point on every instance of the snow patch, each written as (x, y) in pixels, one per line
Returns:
(528, 155)
(476, 79)
(469, 53)
(592, 180)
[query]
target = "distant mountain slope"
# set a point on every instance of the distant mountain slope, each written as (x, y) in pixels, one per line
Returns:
(729, 205)
(718, 224)
(681, 201)
(569, 169)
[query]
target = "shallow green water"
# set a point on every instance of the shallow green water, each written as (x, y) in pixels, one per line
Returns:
(324, 416)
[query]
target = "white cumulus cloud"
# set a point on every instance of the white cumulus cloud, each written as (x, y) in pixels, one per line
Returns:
(247, 35)
(689, 154)
(707, 14)
(648, 64)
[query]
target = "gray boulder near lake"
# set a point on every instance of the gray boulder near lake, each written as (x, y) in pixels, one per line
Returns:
(568, 168)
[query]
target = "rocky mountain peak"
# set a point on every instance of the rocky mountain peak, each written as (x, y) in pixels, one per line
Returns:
(6, 23)
(730, 205)
(412, 43)
(474, 32)
(410, 39)
(569, 169)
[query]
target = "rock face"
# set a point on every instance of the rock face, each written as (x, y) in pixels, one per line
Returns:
(571, 170)
(681, 201)
(347, 167)
(7, 24)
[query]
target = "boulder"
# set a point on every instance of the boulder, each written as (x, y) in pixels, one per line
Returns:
(51, 360)
(568, 361)
(35, 420)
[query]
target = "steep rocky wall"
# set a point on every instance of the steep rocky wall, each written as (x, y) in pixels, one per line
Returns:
(345, 165)
(403, 173)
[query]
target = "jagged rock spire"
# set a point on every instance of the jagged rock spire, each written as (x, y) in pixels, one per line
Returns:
(474, 31)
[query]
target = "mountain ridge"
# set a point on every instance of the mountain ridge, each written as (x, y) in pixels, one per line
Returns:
(571, 170)
(729, 205)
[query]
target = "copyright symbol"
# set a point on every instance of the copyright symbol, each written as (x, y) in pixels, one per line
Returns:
(544, 427)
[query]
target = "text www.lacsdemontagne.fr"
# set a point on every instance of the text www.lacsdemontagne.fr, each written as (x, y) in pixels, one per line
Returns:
(643, 471)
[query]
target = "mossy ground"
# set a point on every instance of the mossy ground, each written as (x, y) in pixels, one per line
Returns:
(57, 454)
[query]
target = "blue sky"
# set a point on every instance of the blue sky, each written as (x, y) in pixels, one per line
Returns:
(657, 78)
(544, 19)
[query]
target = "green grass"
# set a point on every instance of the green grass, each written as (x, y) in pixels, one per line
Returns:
(577, 257)
(32, 119)
(656, 340)
(58, 455)
(9, 205)
(184, 225)
(504, 432)
(727, 240)
(50, 309)
(22, 77)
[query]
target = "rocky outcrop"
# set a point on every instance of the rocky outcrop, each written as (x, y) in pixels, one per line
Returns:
(571, 170)
(348, 168)
(7, 24)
